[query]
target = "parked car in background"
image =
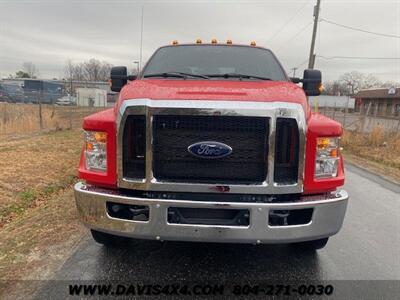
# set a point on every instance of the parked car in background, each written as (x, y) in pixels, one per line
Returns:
(66, 101)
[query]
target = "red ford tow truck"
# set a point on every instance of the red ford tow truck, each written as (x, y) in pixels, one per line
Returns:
(212, 143)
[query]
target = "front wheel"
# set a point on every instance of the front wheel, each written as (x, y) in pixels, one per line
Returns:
(312, 245)
(106, 238)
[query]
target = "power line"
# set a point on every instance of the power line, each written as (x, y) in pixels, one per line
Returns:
(296, 34)
(361, 30)
(289, 21)
(357, 57)
(300, 65)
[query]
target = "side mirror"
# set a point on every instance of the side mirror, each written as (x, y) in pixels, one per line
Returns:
(312, 82)
(119, 77)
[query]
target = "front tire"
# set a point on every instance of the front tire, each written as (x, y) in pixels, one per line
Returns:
(312, 245)
(106, 238)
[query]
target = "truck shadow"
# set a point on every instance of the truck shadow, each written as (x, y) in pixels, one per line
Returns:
(154, 261)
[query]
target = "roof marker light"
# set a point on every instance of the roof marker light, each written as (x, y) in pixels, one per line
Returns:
(174, 42)
(253, 43)
(199, 41)
(213, 41)
(229, 42)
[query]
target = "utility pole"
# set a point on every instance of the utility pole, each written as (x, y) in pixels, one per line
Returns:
(141, 42)
(294, 71)
(137, 67)
(311, 59)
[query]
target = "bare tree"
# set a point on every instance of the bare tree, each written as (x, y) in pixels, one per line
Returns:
(79, 73)
(357, 81)
(105, 70)
(389, 84)
(353, 79)
(95, 70)
(69, 74)
(371, 81)
(69, 70)
(91, 70)
(335, 88)
(29, 68)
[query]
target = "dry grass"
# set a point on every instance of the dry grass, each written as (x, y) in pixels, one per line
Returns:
(38, 218)
(377, 146)
(24, 118)
(34, 167)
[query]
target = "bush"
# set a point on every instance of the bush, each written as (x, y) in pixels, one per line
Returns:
(377, 137)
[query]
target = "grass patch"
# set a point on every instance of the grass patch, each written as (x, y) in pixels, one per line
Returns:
(27, 196)
(31, 198)
(49, 190)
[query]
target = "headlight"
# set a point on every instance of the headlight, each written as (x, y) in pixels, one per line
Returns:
(96, 150)
(327, 160)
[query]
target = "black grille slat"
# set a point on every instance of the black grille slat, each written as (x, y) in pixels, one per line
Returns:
(134, 149)
(246, 135)
(286, 151)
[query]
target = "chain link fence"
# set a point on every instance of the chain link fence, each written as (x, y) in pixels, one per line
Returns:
(32, 118)
(355, 121)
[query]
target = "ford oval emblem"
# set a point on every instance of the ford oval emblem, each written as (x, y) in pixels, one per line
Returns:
(210, 149)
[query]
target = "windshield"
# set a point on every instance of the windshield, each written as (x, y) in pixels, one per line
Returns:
(215, 61)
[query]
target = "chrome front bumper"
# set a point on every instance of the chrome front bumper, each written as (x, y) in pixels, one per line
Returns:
(327, 219)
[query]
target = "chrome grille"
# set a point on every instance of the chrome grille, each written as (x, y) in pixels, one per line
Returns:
(158, 112)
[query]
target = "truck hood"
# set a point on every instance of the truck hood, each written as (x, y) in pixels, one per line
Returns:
(228, 90)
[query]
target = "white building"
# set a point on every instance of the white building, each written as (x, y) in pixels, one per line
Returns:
(332, 101)
(91, 97)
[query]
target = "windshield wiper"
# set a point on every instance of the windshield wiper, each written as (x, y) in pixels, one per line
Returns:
(176, 75)
(237, 75)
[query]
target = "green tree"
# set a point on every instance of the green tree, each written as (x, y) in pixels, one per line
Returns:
(21, 74)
